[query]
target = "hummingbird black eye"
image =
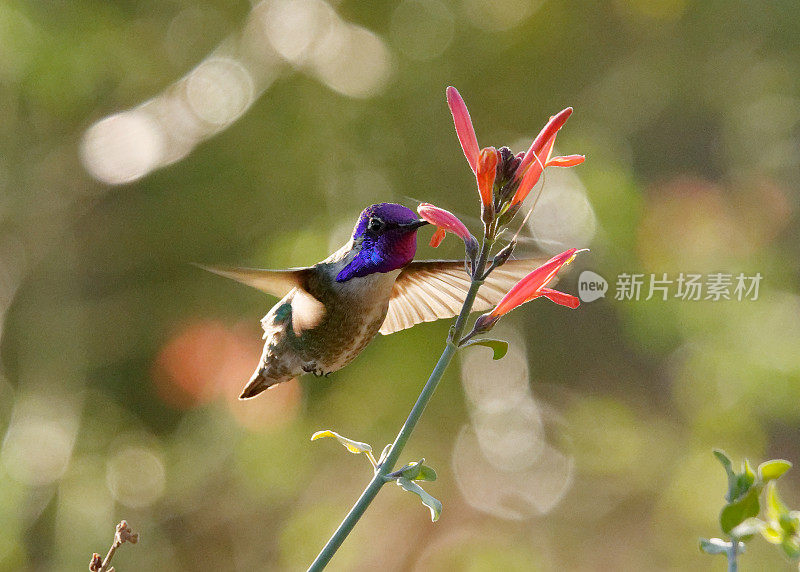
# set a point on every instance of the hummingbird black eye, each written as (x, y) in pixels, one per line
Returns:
(375, 225)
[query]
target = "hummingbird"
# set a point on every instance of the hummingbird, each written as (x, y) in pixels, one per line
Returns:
(329, 312)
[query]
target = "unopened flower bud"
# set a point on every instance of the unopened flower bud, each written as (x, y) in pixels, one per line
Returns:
(505, 253)
(484, 323)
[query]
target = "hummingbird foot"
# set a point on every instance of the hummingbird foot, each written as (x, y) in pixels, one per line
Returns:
(316, 371)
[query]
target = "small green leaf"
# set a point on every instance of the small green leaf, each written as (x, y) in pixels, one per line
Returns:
(728, 465)
(426, 473)
(409, 471)
(794, 518)
(736, 512)
(714, 545)
(743, 482)
(791, 546)
(748, 475)
(771, 470)
(499, 347)
(788, 524)
(416, 471)
(350, 445)
(726, 462)
(433, 504)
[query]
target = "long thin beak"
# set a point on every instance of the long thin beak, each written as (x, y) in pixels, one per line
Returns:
(414, 225)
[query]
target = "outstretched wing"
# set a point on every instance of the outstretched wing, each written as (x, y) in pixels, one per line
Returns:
(306, 309)
(433, 289)
(275, 282)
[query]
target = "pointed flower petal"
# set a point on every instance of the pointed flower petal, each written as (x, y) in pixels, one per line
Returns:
(533, 173)
(561, 298)
(437, 237)
(487, 170)
(464, 129)
(556, 122)
(532, 285)
(566, 161)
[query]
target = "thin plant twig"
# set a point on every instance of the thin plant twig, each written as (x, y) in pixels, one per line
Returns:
(122, 535)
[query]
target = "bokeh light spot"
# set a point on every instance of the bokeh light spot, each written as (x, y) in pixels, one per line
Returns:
(512, 495)
(219, 90)
(123, 147)
(293, 27)
(136, 476)
(355, 62)
(38, 444)
(563, 216)
(207, 359)
(503, 462)
(36, 452)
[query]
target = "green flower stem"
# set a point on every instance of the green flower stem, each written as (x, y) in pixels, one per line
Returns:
(379, 479)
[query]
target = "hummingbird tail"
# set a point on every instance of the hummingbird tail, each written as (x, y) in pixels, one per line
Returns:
(258, 383)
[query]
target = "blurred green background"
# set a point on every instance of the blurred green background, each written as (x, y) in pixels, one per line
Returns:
(139, 136)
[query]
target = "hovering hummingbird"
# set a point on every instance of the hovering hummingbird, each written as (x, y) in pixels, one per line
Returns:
(330, 311)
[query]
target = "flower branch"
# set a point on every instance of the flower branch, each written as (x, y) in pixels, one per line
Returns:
(503, 181)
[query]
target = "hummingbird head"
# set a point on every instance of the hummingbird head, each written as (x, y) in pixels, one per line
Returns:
(384, 238)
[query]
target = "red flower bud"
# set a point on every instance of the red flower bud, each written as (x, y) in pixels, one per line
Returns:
(464, 129)
(487, 170)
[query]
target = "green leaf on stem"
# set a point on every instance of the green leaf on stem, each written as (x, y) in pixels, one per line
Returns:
(742, 508)
(415, 471)
(728, 465)
(426, 473)
(790, 522)
(791, 547)
(499, 347)
(433, 504)
(771, 470)
(747, 478)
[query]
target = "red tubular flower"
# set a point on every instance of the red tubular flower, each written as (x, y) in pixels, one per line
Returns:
(484, 162)
(548, 132)
(532, 286)
(445, 221)
(464, 129)
(516, 173)
(538, 156)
